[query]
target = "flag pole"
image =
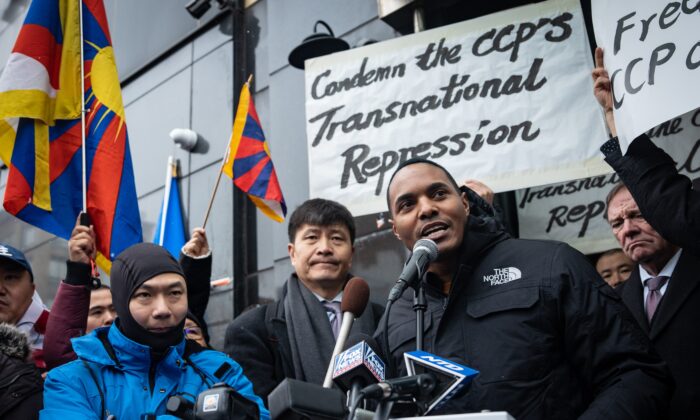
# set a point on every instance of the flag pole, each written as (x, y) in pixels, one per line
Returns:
(166, 199)
(221, 169)
(82, 106)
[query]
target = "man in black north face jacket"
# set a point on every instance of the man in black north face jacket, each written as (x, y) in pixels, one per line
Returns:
(550, 339)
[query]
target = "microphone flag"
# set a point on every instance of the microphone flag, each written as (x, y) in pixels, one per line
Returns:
(360, 358)
(452, 377)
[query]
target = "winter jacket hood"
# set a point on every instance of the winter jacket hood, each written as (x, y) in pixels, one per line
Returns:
(20, 381)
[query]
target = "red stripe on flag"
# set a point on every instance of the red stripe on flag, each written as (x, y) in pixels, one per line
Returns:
(105, 182)
(62, 150)
(87, 68)
(248, 147)
(97, 8)
(93, 113)
(247, 180)
(273, 188)
(17, 192)
(253, 113)
(37, 42)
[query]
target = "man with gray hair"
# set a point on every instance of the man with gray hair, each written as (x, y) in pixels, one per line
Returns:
(663, 294)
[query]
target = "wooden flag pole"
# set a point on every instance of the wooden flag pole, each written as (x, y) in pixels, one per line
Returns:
(213, 193)
(221, 169)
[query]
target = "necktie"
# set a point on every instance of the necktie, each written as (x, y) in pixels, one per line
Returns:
(654, 297)
(333, 310)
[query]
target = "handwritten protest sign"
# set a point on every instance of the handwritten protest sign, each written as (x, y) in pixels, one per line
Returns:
(574, 211)
(652, 53)
(506, 98)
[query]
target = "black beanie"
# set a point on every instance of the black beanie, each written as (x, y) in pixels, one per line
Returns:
(133, 267)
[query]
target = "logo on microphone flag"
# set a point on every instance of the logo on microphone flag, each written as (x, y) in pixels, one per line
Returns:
(357, 355)
(452, 377)
(249, 164)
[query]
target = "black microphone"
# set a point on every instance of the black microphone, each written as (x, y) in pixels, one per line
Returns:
(424, 252)
(415, 386)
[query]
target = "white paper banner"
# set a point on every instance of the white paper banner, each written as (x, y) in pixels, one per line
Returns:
(574, 212)
(652, 53)
(506, 98)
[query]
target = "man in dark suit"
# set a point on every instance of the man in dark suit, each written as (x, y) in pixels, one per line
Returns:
(294, 336)
(663, 294)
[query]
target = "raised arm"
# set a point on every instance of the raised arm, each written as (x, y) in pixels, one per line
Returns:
(69, 313)
(666, 198)
(196, 260)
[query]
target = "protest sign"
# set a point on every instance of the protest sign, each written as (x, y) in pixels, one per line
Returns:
(505, 98)
(574, 212)
(652, 54)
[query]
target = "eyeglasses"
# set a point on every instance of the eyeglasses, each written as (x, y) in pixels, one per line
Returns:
(194, 332)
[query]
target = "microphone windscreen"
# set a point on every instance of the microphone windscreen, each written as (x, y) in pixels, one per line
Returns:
(355, 297)
(429, 246)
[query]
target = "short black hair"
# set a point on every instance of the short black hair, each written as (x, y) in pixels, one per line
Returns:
(413, 161)
(320, 212)
(609, 253)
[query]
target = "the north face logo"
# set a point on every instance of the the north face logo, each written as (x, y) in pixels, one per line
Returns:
(502, 276)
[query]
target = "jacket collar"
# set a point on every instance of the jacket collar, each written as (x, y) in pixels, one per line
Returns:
(680, 287)
(480, 234)
(129, 354)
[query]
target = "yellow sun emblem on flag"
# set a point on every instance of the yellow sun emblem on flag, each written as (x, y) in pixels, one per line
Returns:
(105, 84)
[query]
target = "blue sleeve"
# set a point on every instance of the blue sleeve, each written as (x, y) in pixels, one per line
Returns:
(238, 381)
(65, 397)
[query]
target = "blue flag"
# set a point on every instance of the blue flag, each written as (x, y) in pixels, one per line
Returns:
(172, 236)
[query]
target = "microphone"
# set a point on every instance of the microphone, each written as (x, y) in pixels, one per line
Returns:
(358, 366)
(293, 399)
(424, 252)
(451, 377)
(355, 298)
(415, 386)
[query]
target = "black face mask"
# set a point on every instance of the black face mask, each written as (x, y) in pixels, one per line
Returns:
(133, 267)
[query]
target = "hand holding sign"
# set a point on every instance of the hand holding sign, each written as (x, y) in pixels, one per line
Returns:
(483, 190)
(602, 90)
(652, 52)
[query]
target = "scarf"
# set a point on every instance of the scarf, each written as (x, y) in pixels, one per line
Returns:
(307, 322)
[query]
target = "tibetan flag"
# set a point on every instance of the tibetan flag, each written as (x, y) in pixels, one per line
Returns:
(40, 127)
(170, 231)
(248, 161)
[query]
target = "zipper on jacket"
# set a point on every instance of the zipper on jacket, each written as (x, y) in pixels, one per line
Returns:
(152, 377)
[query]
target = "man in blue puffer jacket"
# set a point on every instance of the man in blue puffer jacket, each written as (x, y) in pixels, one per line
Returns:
(132, 367)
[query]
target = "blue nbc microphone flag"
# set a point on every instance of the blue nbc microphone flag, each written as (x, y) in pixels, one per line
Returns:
(170, 230)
